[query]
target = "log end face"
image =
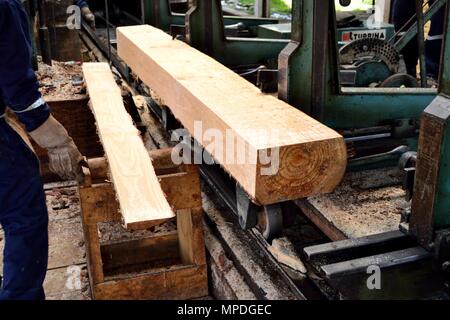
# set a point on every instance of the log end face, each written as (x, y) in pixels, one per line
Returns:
(302, 171)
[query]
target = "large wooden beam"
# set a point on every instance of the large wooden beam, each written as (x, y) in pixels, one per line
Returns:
(141, 199)
(203, 93)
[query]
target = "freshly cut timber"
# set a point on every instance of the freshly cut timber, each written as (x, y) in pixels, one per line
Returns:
(139, 194)
(274, 151)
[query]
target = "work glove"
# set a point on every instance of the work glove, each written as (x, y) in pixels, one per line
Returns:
(88, 16)
(64, 158)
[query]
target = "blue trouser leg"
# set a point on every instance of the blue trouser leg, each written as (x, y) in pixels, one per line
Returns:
(402, 11)
(24, 218)
(433, 47)
(433, 57)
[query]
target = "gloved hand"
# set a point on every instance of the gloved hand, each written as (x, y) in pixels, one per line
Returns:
(87, 15)
(65, 159)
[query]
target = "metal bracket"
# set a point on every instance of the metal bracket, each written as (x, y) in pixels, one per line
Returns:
(405, 128)
(246, 209)
(442, 250)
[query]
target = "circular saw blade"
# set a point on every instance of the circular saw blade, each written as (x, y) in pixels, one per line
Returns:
(370, 49)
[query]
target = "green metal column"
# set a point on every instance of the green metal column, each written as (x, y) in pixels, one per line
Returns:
(295, 60)
(158, 14)
(205, 31)
(430, 209)
(205, 28)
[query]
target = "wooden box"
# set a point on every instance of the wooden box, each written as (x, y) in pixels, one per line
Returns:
(170, 265)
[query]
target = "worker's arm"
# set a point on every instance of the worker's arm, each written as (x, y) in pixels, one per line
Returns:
(86, 12)
(20, 91)
(18, 82)
(80, 3)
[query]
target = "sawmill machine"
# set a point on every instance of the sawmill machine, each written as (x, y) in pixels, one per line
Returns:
(413, 262)
(162, 14)
(379, 124)
(381, 127)
(368, 54)
(221, 36)
(159, 13)
(371, 59)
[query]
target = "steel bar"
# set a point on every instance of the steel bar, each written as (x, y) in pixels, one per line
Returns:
(333, 252)
(384, 260)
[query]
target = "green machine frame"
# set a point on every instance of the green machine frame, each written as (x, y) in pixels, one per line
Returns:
(308, 67)
(205, 31)
(159, 14)
(309, 78)
(379, 123)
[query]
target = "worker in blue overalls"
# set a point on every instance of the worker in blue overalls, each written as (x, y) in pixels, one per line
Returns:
(23, 211)
(402, 12)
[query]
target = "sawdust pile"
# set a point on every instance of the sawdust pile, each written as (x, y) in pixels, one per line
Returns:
(365, 203)
(61, 80)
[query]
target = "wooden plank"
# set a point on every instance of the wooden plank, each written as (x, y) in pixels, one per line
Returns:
(185, 229)
(131, 252)
(142, 201)
(201, 91)
(165, 284)
(99, 204)
(182, 190)
(94, 257)
(191, 236)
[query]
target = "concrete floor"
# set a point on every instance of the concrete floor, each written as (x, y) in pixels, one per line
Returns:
(67, 274)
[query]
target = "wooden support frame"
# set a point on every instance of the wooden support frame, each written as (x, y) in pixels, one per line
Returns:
(181, 271)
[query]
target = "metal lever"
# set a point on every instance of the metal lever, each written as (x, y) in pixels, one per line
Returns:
(379, 157)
